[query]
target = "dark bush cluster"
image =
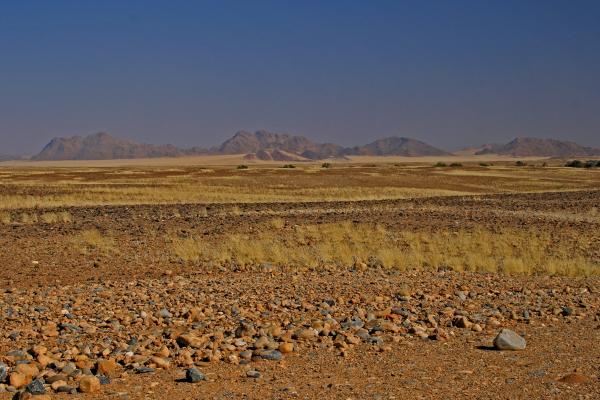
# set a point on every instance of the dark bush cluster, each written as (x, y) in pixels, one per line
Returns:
(583, 164)
(289, 166)
(443, 164)
(242, 167)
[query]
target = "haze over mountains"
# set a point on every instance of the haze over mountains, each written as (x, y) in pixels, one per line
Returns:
(264, 145)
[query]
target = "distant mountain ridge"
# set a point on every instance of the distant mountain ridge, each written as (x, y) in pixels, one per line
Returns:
(259, 145)
(270, 146)
(536, 147)
(396, 146)
(102, 146)
(244, 142)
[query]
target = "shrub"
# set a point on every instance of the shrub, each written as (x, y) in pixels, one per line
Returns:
(520, 163)
(574, 164)
(456, 164)
(242, 167)
(288, 166)
(326, 165)
(483, 164)
(440, 164)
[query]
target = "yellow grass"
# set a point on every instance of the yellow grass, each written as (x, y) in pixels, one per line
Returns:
(523, 252)
(237, 159)
(5, 218)
(33, 218)
(91, 240)
(56, 217)
(79, 186)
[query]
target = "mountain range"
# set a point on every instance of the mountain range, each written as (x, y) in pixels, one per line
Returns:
(264, 145)
(528, 146)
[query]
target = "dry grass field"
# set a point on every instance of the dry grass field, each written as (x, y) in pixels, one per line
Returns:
(135, 272)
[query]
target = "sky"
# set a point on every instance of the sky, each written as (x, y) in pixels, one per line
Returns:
(192, 73)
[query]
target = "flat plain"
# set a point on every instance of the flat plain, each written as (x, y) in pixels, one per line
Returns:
(368, 278)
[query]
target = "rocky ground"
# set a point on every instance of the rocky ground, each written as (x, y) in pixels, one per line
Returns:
(137, 324)
(342, 334)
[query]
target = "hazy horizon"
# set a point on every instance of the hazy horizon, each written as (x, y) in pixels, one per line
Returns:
(452, 74)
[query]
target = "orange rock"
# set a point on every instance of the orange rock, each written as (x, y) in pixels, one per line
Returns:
(29, 396)
(38, 350)
(163, 352)
(56, 384)
(18, 379)
(195, 314)
(89, 384)
(160, 362)
(29, 370)
(574, 378)
(106, 367)
(286, 348)
(44, 360)
(89, 364)
(189, 340)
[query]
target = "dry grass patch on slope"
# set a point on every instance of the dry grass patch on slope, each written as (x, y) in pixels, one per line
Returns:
(524, 252)
(92, 240)
(29, 218)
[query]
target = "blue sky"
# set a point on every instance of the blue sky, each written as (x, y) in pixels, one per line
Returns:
(452, 73)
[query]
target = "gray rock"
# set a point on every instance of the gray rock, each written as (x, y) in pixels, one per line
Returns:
(509, 340)
(144, 370)
(193, 375)
(66, 389)
(253, 374)
(164, 313)
(272, 355)
(69, 368)
(36, 387)
(18, 354)
(3, 372)
(70, 327)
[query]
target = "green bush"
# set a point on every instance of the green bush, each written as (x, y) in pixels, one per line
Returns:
(520, 163)
(483, 164)
(242, 167)
(326, 165)
(456, 164)
(440, 164)
(288, 166)
(574, 164)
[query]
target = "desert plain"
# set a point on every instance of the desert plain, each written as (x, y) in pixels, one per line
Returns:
(364, 279)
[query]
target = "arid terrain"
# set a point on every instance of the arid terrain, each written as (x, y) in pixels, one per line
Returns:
(357, 279)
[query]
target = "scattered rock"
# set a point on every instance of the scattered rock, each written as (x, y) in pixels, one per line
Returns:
(36, 387)
(286, 347)
(509, 340)
(575, 378)
(253, 374)
(89, 384)
(3, 372)
(193, 375)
